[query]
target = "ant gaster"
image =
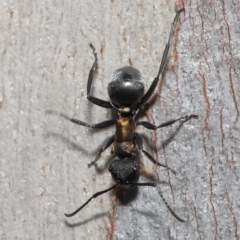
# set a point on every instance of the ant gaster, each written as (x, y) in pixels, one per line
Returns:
(126, 93)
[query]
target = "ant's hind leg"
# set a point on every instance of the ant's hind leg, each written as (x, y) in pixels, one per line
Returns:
(163, 61)
(97, 101)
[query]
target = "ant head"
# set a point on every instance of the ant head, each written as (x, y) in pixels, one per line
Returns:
(126, 87)
(125, 171)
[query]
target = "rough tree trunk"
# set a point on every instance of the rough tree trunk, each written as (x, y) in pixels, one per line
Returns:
(45, 61)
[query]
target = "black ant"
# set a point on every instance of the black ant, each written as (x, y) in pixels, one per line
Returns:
(126, 93)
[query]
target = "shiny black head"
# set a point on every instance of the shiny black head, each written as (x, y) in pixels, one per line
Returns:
(126, 87)
(125, 171)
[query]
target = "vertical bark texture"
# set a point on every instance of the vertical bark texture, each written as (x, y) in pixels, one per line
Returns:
(45, 61)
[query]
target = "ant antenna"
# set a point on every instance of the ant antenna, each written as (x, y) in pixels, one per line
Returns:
(161, 195)
(93, 196)
(167, 205)
(150, 184)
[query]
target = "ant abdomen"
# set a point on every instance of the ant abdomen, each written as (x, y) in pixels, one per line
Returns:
(126, 87)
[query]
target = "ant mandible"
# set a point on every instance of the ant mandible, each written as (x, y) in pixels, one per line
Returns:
(126, 93)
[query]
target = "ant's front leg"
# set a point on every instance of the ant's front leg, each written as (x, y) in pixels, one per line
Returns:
(98, 125)
(102, 149)
(150, 126)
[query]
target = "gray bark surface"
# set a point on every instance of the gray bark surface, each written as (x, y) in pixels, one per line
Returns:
(45, 61)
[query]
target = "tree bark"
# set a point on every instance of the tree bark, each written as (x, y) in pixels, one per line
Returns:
(44, 171)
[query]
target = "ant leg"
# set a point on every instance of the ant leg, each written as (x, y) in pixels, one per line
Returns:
(102, 149)
(163, 61)
(150, 126)
(97, 125)
(97, 101)
(139, 143)
(150, 184)
(93, 196)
